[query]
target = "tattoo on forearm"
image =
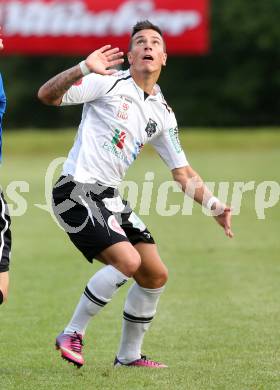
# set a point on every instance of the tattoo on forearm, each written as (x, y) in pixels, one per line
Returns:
(59, 84)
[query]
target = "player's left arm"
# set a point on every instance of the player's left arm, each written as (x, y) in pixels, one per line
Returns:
(168, 146)
(193, 186)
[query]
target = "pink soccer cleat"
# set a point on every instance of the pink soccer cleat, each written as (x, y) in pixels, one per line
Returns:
(142, 362)
(70, 346)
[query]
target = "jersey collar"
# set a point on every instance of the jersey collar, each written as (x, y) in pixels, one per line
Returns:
(143, 95)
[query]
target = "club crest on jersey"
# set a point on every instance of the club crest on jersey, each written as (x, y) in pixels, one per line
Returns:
(119, 138)
(151, 127)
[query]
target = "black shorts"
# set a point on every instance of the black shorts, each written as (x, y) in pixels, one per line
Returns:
(5, 235)
(95, 217)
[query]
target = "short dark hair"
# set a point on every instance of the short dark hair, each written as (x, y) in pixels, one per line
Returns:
(144, 25)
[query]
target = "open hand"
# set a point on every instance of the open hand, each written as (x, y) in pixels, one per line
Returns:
(223, 217)
(100, 60)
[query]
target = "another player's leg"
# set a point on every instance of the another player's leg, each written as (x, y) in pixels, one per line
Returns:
(5, 248)
(140, 307)
(4, 285)
(122, 261)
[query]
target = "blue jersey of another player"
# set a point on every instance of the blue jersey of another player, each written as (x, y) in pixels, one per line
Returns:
(2, 110)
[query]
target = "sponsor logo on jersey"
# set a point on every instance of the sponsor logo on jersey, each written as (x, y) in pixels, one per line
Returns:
(116, 145)
(151, 127)
(115, 151)
(122, 115)
(119, 138)
(174, 136)
(123, 108)
(115, 226)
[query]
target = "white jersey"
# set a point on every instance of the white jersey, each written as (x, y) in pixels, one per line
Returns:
(118, 119)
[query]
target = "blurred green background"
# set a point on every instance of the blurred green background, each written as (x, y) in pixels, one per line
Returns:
(236, 84)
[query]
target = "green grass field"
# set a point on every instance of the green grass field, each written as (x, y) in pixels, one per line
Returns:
(217, 325)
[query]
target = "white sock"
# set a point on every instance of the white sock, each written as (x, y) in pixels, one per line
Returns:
(97, 294)
(140, 308)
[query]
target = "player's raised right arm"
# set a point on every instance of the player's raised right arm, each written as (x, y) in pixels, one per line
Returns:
(99, 61)
(52, 91)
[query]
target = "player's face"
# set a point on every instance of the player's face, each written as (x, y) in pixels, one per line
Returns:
(147, 53)
(1, 40)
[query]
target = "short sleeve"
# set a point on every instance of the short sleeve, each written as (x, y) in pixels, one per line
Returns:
(168, 146)
(87, 89)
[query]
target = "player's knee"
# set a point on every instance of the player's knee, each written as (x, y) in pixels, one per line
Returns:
(157, 280)
(164, 276)
(160, 278)
(132, 264)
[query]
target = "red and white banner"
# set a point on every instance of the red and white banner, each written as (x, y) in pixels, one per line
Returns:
(78, 27)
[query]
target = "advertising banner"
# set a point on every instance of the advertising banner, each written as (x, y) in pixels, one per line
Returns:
(76, 27)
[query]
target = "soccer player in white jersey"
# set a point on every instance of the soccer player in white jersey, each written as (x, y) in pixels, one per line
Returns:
(121, 112)
(5, 233)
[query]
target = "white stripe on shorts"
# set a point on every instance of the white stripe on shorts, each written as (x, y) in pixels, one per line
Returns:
(5, 227)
